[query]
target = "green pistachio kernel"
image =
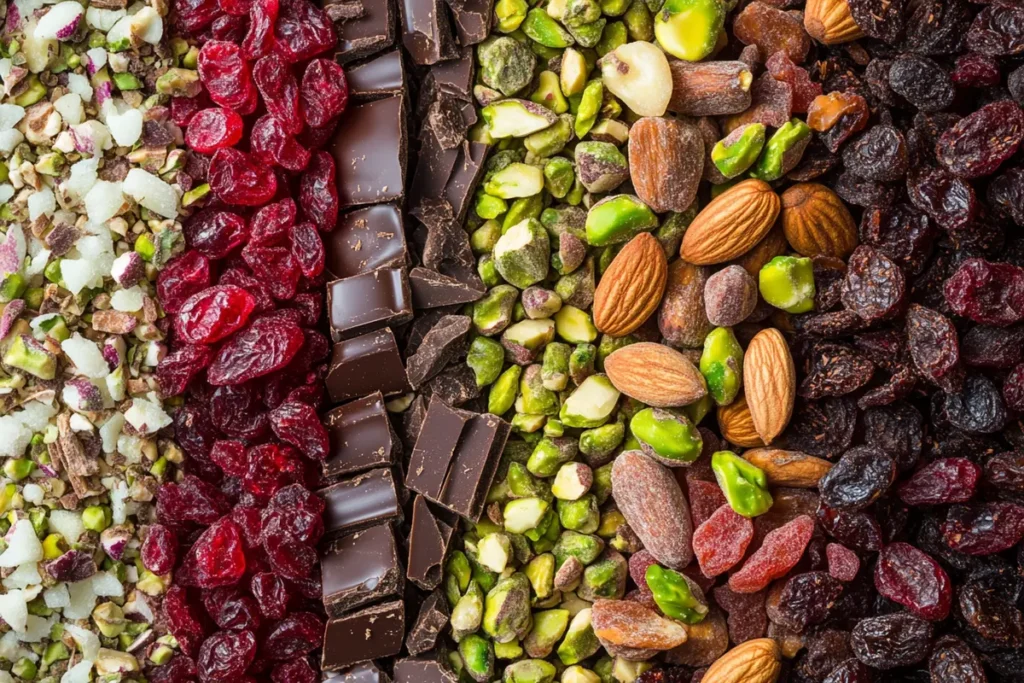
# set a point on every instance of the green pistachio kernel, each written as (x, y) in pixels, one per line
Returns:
(549, 92)
(478, 657)
(555, 368)
(508, 651)
(515, 118)
(507, 609)
(689, 29)
(96, 517)
(483, 238)
(614, 8)
(548, 628)
(598, 444)
(639, 21)
(506, 64)
(614, 35)
(589, 107)
(54, 546)
(783, 151)
(591, 404)
(488, 207)
(721, 363)
(744, 484)
(488, 272)
(674, 596)
(558, 176)
(522, 255)
(551, 140)
(25, 669)
(735, 153)
(574, 325)
(35, 92)
(618, 219)
(12, 287)
(18, 468)
(580, 515)
(580, 641)
(670, 438)
(493, 313)
(529, 671)
(541, 28)
(27, 354)
(588, 35)
(520, 210)
(580, 12)
(516, 180)
(485, 358)
(602, 167)
(787, 282)
(573, 76)
(509, 15)
(504, 391)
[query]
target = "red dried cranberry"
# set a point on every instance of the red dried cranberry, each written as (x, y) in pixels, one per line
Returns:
(304, 526)
(214, 314)
(229, 28)
(1013, 389)
(238, 8)
(295, 671)
(193, 15)
(271, 467)
(231, 610)
(288, 557)
(229, 456)
(184, 620)
(181, 669)
(211, 129)
(273, 224)
(225, 656)
(315, 138)
(980, 142)
(942, 481)
(184, 108)
(271, 594)
(259, 41)
(318, 193)
(303, 31)
(294, 636)
(177, 369)
(987, 293)
(237, 411)
(912, 578)
(310, 394)
(298, 496)
(265, 346)
(238, 178)
(983, 528)
(311, 306)
(195, 430)
(181, 278)
(272, 143)
(250, 521)
(216, 233)
(324, 92)
(974, 70)
(242, 278)
(280, 92)
(276, 267)
(190, 500)
(307, 249)
(217, 556)
(160, 549)
(299, 425)
(226, 76)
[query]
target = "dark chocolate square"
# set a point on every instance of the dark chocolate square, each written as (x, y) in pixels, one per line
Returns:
(423, 671)
(360, 502)
(371, 633)
(433, 290)
(376, 77)
(365, 364)
(435, 448)
(366, 239)
(367, 34)
(368, 301)
(361, 437)
(429, 540)
(361, 568)
(370, 153)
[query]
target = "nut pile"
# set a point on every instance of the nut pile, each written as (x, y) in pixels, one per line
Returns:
(755, 312)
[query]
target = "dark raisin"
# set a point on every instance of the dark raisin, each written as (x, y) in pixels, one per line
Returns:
(953, 661)
(851, 671)
(874, 287)
(857, 479)
(865, 193)
(1006, 471)
(993, 347)
(822, 428)
(879, 154)
(991, 622)
(947, 199)
(998, 30)
(806, 599)
(922, 82)
(901, 233)
(978, 408)
(983, 528)
(934, 347)
(936, 27)
(835, 370)
(1006, 191)
(896, 429)
(879, 19)
(891, 640)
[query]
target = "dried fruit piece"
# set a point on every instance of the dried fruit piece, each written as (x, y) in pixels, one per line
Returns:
(981, 141)
(837, 116)
(934, 347)
(806, 599)
(874, 287)
(780, 551)
(631, 630)
(942, 481)
(265, 346)
(998, 30)
(983, 528)
(879, 19)
(772, 30)
(237, 178)
(892, 640)
(835, 370)
(721, 541)
(912, 578)
(858, 479)
(922, 81)
(843, 563)
(987, 293)
(227, 77)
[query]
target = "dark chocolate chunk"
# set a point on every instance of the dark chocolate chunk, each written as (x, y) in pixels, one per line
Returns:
(345, 10)
(361, 437)
(371, 633)
(366, 364)
(368, 672)
(473, 21)
(370, 153)
(360, 502)
(368, 33)
(434, 168)
(435, 448)
(359, 569)
(445, 121)
(455, 76)
(429, 539)
(466, 175)
(430, 622)
(366, 239)
(366, 302)
(445, 342)
(412, 420)
(448, 252)
(433, 290)
(455, 385)
(423, 671)
(377, 77)
(426, 31)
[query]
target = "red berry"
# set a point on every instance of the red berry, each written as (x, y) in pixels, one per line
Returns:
(214, 314)
(227, 77)
(318, 193)
(324, 92)
(238, 178)
(280, 92)
(272, 143)
(211, 129)
(225, 656)
(160, 549)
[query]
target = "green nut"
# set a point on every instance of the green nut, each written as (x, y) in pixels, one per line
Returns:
(549, 92)
(126, 81)
(534, 397)
(584, 547)
(581, 362)
(674, 595)
(522, 253)
(589, 107)
(109, 619)
(577, 674)
(618, 219)
(509, 15)
(572, 482)
(615, 8)
(744, 484)
(541, 28)
(483, 238)
(737, 151)
(558, 176)
(522, 484)
(19, 468)
(591, 404)
(614, 35)
(588, 35)
(508, 651)
(493, 551)
(573, 76)
(524, 340)
(529, 671)
(548, 628)
(97, 517)
(504, 391)
(598, 445)
(610, 130)
(551, 140)
(468, 613)
(458, 566)
(670, 232)
(575, 326)
(699, 409)
(54, 546)
(787, 282)
(577, 288)
(721, 363)
(524, 423)
(667, 437)
(580, 641)
(524, 514)
(485, 357)
(555, 368)
(553, 428)
(506, 64)
(493, 313)
(580, 12)
(540, 303)
(689, 29)
(516, 180)
(549, 454)
(605, 579)
(30, 356)
(179, 83)
(783, 151)
(579, 515)
(601, 166)
(603, 483)
(541, 573)
(477, 657)
(488, 272)
(507, 609)
(639, 21)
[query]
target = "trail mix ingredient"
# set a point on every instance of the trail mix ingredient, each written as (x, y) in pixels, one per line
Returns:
(752, 299)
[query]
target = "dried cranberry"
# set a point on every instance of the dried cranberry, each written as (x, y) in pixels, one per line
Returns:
(288, 557)
(238, 8)
(280, 92)
(276, 267)
(160, 549)
(318, 193)
(988, 293)
(1013, 389)
(229, 28)
(244, 279)
(265, 346)
(912, 578)
(271, 467)
(216, 233)
(295, 671)
(179, 368)
(272, 144)
(226, 76)
(947, 480)
(1006, 191)
(299, 425)
(184, 619)
(297, 496)
(181, 278)
(217, 556)
(230, 456)
(980, 142)
(181, 669)
(874, 287)
(259, 41)
(194, 15)
(225, 656)
(273, 223)
(302, 31)
(324, 92)
(237, 411)
(190, 500)
(250, 521)
(211, 129)
(237, 178)
(230, 609)
(983, 528)
(975, 70)
(213, 314)
(271, 594)
(296, 635)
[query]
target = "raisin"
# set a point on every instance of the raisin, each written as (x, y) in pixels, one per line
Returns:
(865, 193)
(822, 428)
(993, 347)
(835, 370)
(987, 293)
(874, 287)
(901, 233)
(975, 70)
(879, 19)
(891, 640)
(936, 27)
(942, 481)
(912, 578)
(953, 661)
(858, 479)
(981, 141)
(948, 200)
(747, 618)
(983, 528)
(991, 622)
(851, 671)
(934, 347)
(807, 598)
(998, 30)
(978, 408)
(1005, 193)
(1013, 389)
(879, 154)
(922, 82)
(898, 430)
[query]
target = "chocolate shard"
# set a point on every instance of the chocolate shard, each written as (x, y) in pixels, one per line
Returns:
(430, 622)
(434, 168)
(455, 385)
(367, 672)
(368, 301)
(370, 153)
(435, 448)
(367, 33)
(367, 239)
(445, 342)
(466, 175)
(430, 536)
(473, 21)
(377, 77)
(426, 32)
(360, 502)
(446, 122)
(412, 421)
(345, 10)
(361, 568)
(455, 76)
(371, 633)
(361, 437)
(423, 671)
(366, 364)
(433, 290)
(447, 251)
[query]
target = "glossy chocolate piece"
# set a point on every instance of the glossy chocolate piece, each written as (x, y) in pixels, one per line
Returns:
(466, 175)
(369, 301)
(366, 364)
(360, 502)
(370, 153)
(433, 290)
(473, 21)
(366, 239)
(361, 437)
(442, 344)
(430, 622)
(434, 167)
(426, 31)
(367, 672)
(455, 76)
(447, 251)
(455, 385)
(430, 536)
(423, 671)
(435, 448)
(377, 77)
(371, 633)
(361, 568)
(369, 33)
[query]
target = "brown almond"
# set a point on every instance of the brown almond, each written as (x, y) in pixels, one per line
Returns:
(816, 222)
(830, 22)
(789, 468)
(683, 319)
(731, 224)
(666, 161)
(631, 287)
(633, 631)
(655, 374)
(769, 380)
(755, 661)
(737, 424)
(709, 88)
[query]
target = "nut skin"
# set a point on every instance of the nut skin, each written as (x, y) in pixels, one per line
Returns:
(682, 318)
(709, 88)
(737, 424)
(830, 22)
(731, 224)
(755, 661)
(730, 295)
(601, 167)
(665, 162)
(788, 468)
(816, 222)
(632, 287)
(655, 374)
(769, 378)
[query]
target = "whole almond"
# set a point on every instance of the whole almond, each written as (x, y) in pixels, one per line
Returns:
(706, 641)
(769, 380)
(683, 319)
(709, 88)
(755, 661)
(789, 468)
(628, 629)
(731, 224)
(631, 287)
(655, 374)
(816, 222)
(737, 424)
(666, 161)
(830, 22)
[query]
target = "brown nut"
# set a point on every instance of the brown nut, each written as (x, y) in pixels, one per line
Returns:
(632, 286)
(816, 222)
(682, 318)
(730, 295)
(709, 88)
(666, 161)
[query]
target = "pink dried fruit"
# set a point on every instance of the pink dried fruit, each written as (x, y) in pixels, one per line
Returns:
(213, 314)
(211, 129)
(843, 563)
(265, 346)
(238, 178)
(780, 551)
(159, 550)
(318, 192)
(721, 541)
(324, 92)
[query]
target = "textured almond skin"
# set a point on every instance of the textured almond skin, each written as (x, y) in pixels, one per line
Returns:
(683, 318)
(769, 378)
(789, 468)
(709, 88)
(655, 374)
(631, 630)
(731, 224)
(738, 425)
(830, 22)
(816, 221)
(755, 661)
(666, 161)
(632, 286)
